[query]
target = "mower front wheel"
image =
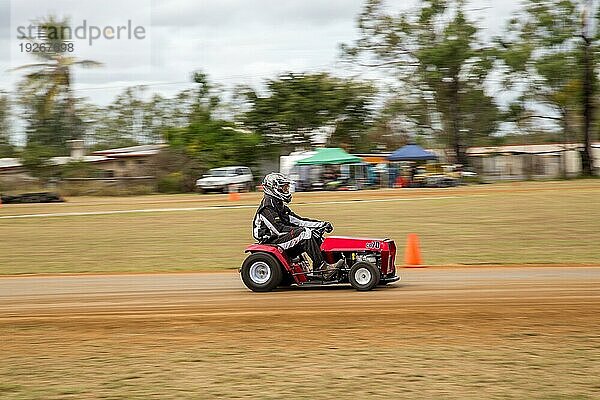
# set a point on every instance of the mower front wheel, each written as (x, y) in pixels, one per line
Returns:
(261, 272)
(364, 276)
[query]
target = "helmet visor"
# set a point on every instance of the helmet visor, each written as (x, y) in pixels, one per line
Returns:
(284, 188)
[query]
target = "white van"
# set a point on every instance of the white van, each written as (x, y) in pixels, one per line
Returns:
(220, 180)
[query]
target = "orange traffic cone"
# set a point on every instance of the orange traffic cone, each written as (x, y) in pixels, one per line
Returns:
(233, 193)
(412, 254)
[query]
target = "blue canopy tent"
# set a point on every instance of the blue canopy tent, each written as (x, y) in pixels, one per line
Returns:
(412, 152)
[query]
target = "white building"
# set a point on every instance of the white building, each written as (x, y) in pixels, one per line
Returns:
(537, 161)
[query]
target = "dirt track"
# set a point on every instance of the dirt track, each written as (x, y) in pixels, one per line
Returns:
(506, 332)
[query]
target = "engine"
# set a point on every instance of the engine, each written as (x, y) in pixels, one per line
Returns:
(367, 257)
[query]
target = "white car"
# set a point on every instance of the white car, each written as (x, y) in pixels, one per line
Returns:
(222, 179)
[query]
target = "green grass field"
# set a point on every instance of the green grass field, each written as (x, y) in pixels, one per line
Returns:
(520, 223)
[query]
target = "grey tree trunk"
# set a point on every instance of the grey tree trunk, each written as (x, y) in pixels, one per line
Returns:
(587, 162)
(455, 135)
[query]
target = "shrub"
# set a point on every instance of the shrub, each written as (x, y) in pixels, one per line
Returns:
(102, 188)
(171, 163)
(171, 183)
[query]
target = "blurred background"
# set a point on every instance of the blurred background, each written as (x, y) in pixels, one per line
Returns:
(490, 90)
(134, 136)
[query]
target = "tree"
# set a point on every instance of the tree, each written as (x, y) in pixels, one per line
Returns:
(133, 119)
(440, 64)
(207, 98)
(305, 109)
(128, 121)
(206, 141)
(589, 49)
(36, 159)
(6, 148)
(175, 170)
(46, 90)
(550, 53)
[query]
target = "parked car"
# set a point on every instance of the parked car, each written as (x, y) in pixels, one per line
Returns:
(220, 180)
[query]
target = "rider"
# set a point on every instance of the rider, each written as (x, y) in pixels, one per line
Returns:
(275, 223)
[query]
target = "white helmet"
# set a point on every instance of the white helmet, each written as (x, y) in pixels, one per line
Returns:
(278, 185)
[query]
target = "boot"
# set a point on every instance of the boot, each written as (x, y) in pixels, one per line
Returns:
(329, 270)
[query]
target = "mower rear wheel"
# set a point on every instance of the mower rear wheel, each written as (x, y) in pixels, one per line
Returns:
(261, 272)
(364, 276)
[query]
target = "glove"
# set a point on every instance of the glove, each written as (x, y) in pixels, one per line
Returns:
(328, 226)
(306, 233)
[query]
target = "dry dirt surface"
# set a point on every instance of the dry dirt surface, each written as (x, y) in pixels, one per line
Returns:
(464, 333)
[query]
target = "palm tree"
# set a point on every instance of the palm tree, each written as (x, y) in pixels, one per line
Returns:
(47, 84)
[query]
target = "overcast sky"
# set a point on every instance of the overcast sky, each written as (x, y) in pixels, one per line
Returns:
(234, 41)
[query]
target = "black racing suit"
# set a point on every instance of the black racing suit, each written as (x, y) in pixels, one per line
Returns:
(275, 223)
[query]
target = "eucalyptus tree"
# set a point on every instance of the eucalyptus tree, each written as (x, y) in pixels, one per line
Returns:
(300, 110)
(550, 49)
(440, 63)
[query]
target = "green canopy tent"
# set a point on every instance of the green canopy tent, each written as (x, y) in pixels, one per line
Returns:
(330, 156)
(351, 166)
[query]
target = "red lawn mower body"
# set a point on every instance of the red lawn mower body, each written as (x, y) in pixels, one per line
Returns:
(368, 263)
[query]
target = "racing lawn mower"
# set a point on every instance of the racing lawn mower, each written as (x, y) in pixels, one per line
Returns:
(367, 263)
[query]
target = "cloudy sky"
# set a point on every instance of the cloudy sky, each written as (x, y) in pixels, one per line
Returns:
(234, 41)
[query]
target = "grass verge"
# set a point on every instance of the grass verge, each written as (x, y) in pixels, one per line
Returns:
(527, 223)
